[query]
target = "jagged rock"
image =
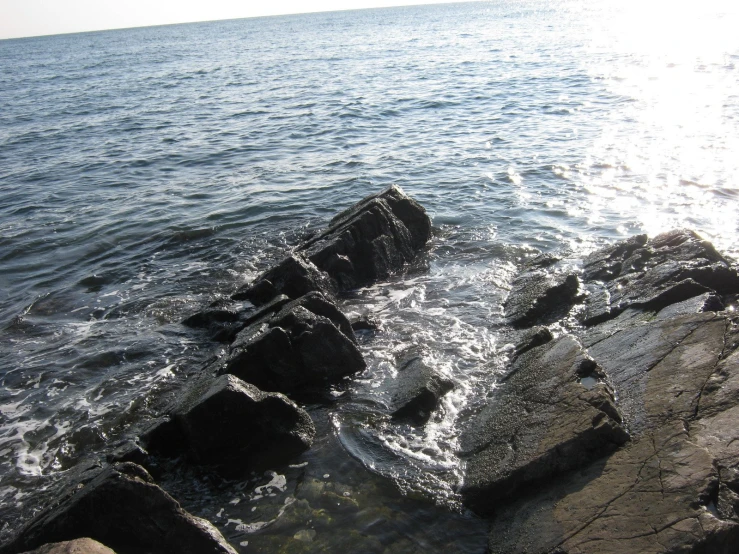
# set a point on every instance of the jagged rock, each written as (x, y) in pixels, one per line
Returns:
(540, 422)
(295, 276)
(366, 323)
(121, 507)
(533, 338)
(307, 343)
(652, 274)
(224, 323)
(369, 241)
(233, 426)
(659, 336)
(418, 391)
(77, 546)
(540, 296)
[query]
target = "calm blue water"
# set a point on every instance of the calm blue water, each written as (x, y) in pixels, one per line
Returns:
(146, 172)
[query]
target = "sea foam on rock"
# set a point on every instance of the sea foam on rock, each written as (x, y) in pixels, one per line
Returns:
(417, 391)
(659, 355)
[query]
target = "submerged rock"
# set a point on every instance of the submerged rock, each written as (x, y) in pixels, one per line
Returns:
(418, 390)
(369, 241)
(308, 343)
(123, 508)
(233, 426)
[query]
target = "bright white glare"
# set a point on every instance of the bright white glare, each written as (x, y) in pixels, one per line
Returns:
(21, 18)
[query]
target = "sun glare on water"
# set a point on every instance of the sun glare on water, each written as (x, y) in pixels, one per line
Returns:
(662, 154)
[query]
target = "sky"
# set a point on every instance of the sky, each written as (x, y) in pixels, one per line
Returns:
(24, 18)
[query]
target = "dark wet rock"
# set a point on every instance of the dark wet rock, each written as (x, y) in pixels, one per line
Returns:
(533, 338)
(366, 323)
(539, 423)
(418, 390)
(209, 317)
(294, 277)
(77, 546)
(540, 296)
(369, 241)
(229, 318)
(308, 343)
(232, 426)
(124, 509)
(221, 324)
(652, 274)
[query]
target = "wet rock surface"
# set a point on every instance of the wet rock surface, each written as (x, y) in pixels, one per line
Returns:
(367, 242)
(658, 358)
(122, 508)
(539, 296)
(540, 422)
(419, 389)
(308, 343)
(233, 426)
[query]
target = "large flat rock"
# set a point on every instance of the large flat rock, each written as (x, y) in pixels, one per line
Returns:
(540, 422)
(659, 332)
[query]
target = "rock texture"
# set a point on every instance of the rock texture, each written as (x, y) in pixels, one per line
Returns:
(233, 426)
(659, 357)
(122, 508)
(369, 241)
(308, 343)
(77, 546)
(539, 295)
(419, 389)
(540, 422)
(653, 273)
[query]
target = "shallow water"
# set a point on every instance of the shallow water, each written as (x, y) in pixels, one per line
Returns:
(146, 172)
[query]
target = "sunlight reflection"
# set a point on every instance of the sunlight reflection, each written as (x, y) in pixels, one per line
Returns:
(662, 152)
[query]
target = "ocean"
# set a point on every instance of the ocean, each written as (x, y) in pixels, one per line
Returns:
(145, 173)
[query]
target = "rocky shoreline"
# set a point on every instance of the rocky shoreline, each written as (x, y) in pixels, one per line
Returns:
(612, 429)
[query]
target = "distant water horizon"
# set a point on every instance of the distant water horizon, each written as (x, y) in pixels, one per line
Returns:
(147, 172)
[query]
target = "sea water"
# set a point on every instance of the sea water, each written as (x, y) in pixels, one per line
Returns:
(147, 172)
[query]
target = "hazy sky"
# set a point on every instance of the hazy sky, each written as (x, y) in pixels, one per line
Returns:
(23, 18)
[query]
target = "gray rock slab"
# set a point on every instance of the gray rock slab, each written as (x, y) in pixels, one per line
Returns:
(540, 422)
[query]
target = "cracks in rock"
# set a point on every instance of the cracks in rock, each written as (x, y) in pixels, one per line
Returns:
(719, 359)
(680, 342)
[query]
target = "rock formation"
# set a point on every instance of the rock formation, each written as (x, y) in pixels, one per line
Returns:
(367, 242)
(122, 508)
(657, 358)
